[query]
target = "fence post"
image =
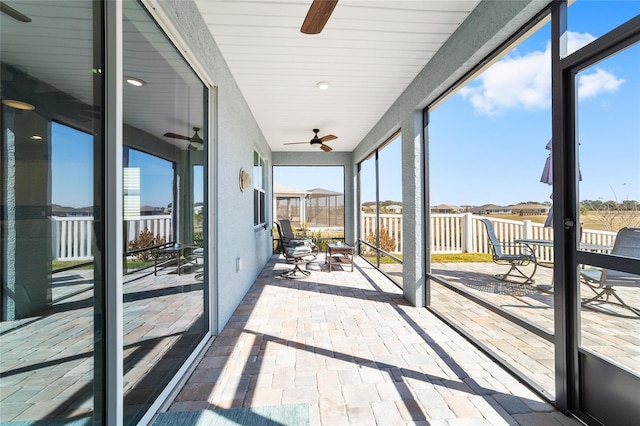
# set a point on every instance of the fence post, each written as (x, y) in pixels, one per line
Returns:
(467, 232)
(55, 239)
(527, 230)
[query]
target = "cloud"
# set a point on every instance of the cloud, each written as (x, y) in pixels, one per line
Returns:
(600, 81)
(524, 81)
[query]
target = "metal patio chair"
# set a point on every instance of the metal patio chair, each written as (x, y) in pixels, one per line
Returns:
(603, 281)
(287, 232)
(298, 252)
(517, 257)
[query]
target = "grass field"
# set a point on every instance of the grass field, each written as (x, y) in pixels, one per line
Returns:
(612, 220)
(460, 257)
(130, 265)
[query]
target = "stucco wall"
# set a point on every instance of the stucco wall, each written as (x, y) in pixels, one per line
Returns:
(236, 136)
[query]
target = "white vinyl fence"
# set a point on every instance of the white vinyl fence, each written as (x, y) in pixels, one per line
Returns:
(71, 237)
(392, 224)
(464, 233)
(451, 233)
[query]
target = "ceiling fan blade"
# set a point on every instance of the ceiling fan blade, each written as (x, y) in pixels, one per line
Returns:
(177, 136)
(295, 143)
(328, 138)
(9, 11)
(317, 16)
(326, 148)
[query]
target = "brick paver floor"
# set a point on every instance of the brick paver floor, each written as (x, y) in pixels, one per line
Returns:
(349, 345)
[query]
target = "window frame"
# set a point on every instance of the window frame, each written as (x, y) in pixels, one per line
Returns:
(259, 192)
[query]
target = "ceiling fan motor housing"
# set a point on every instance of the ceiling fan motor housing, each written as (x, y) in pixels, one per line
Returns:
(316, 140)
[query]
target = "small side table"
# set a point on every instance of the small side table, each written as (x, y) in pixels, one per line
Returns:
(176, 251)
(336, 249)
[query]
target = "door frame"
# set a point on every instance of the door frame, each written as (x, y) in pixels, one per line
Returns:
(587, 385)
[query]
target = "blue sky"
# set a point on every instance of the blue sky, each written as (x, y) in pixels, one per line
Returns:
(487, 142)
(71, 167)
(72, 171)
(156, 178)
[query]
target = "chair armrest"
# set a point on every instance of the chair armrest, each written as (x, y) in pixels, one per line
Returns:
(523, 247)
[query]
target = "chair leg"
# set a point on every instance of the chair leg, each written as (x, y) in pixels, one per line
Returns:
(606, 292)
(514, 268)
(295, 272)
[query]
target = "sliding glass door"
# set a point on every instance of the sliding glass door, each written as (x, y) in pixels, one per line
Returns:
(52, 346)
(165, 240)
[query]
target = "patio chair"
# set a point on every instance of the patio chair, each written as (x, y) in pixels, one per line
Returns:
(517, 257)
(288, 234)
(298, 252)
(603, 281)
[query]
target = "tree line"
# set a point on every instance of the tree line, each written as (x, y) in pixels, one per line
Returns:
(596, 205)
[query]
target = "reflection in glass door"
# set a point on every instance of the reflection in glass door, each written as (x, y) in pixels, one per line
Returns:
(164, 156)
(51, 223)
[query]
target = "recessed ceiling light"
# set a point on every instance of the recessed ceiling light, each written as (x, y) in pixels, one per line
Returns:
(18, 104)
(135, 81)
(323, 85)
(36, 137)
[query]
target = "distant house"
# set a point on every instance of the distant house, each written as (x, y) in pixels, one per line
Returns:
(394, 208)
(63, 211)
(445, 208)
(490, 209)
(530, 209)
(325, 209)
(151, 211)
(289, 203)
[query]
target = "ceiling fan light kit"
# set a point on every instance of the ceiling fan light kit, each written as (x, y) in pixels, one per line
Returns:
(196, 137)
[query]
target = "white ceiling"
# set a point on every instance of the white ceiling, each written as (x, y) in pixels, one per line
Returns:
(369, 51)
(56, 48)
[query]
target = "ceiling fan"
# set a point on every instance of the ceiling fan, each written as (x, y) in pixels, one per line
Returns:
(318, 141)
(195, 141)
(317, 16)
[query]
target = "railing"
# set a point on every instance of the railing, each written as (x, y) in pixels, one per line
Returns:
(451, 233)
(392, 224)
(464, 233)
(71, 237)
